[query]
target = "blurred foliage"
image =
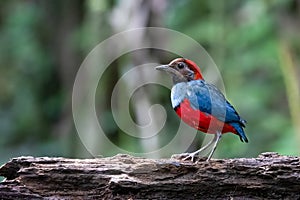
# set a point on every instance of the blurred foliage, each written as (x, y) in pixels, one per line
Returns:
(42, 44)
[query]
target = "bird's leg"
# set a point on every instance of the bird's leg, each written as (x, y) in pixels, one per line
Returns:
(218, 136)
(192, 155)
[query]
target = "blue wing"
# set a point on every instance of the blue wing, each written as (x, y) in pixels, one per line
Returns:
(207, 98)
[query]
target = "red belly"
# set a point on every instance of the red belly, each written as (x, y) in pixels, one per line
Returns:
(201, 121)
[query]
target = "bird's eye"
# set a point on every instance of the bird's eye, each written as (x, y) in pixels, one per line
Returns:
(180, 65)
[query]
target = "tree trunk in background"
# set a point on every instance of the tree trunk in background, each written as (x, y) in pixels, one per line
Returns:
(140, 14)
(124, 177)
(64, 19)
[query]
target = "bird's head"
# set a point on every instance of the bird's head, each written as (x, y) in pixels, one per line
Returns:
(182, 70)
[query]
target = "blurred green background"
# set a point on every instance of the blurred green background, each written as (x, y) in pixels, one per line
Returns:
(255, 44)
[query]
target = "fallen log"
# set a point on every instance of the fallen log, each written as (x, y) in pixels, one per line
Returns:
(269, 176)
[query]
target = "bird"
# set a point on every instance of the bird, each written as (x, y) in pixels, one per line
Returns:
(201, 105)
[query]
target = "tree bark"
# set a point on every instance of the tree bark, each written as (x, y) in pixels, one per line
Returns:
(125, 177)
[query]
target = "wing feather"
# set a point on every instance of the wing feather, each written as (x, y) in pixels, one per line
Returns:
(208, 98)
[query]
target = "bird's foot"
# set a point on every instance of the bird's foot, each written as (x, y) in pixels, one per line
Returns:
(190, 156)
(185, 156)
(179, 156)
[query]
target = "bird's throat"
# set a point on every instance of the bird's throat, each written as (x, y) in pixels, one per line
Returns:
(179, 79)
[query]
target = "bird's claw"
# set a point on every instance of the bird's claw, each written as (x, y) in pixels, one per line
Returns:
(190, 156)
(184, 156)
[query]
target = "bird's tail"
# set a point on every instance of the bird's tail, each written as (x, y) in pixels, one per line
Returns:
(240, 132)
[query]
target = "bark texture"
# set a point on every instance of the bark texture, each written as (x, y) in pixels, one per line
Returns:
(269, 176)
